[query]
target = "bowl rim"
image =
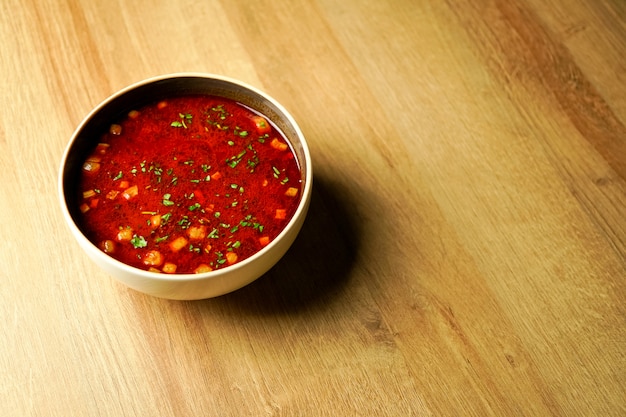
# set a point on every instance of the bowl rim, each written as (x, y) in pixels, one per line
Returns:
(188, 277)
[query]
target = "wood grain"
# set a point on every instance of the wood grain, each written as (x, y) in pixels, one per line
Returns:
(465, 251)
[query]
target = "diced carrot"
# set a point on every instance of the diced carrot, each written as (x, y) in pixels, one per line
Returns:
(207, 248)
(94, 203)
(123, 185)
(291, 192)
(231, 257)
(115, 129)
(112, 194)
(277, 144)
(265, 182)
(161, 105)
(130, 192)
(196, 232)
(280, 214)
(153, 258)
(107, 246)
(202, 268)
(102, 148)
(178, 243)
(153, 269)
(155, 221)
(262, 126)
(169, 268)
(84, 208)
(216, 176)
(125, 234)
(264, 240)
(88, 193)
(91, 167)
(133, 114)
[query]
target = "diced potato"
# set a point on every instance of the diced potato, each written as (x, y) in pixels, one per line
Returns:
(202, 268)
(178, 243)
(280, 214)
(153, 258)
(112, 194)
(115, 129)
(231, 257)
(169, 268)
(125, 234)
(84, 208)
(196, 232)
(89, 193)
(107, 246)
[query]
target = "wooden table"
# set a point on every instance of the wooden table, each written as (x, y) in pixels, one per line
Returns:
(465, 251)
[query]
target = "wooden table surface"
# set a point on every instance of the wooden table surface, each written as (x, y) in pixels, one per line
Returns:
(465, 250)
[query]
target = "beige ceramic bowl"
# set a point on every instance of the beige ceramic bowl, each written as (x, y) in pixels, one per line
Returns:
(182, 286)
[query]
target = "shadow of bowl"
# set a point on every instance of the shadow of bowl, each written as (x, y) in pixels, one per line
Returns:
(317, 265)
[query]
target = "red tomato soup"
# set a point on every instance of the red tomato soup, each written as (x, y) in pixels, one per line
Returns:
(188, 185)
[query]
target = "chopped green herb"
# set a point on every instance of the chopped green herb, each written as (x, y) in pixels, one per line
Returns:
(139, 241)
(161, 239)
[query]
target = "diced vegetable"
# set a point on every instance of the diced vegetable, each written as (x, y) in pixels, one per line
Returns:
(202, 268)
(107, 246)
(231, 257)
(89, 193)
(291, 192)
(102, 148)
(91, 167)
(277, 144)
(130, 192)
(264, 240)
(155, 221)
(196, 232)
(115, 129)
(262, 126)
(178, 243)
(281, 214)
(169, 268)
(84, 208)
(125, 234)
(153, 258)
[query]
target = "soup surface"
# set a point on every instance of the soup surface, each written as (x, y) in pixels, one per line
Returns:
(188, 185)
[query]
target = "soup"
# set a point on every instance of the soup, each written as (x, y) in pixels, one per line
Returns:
(188, 185)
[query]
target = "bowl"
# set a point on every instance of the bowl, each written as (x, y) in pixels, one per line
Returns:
(181, 286)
